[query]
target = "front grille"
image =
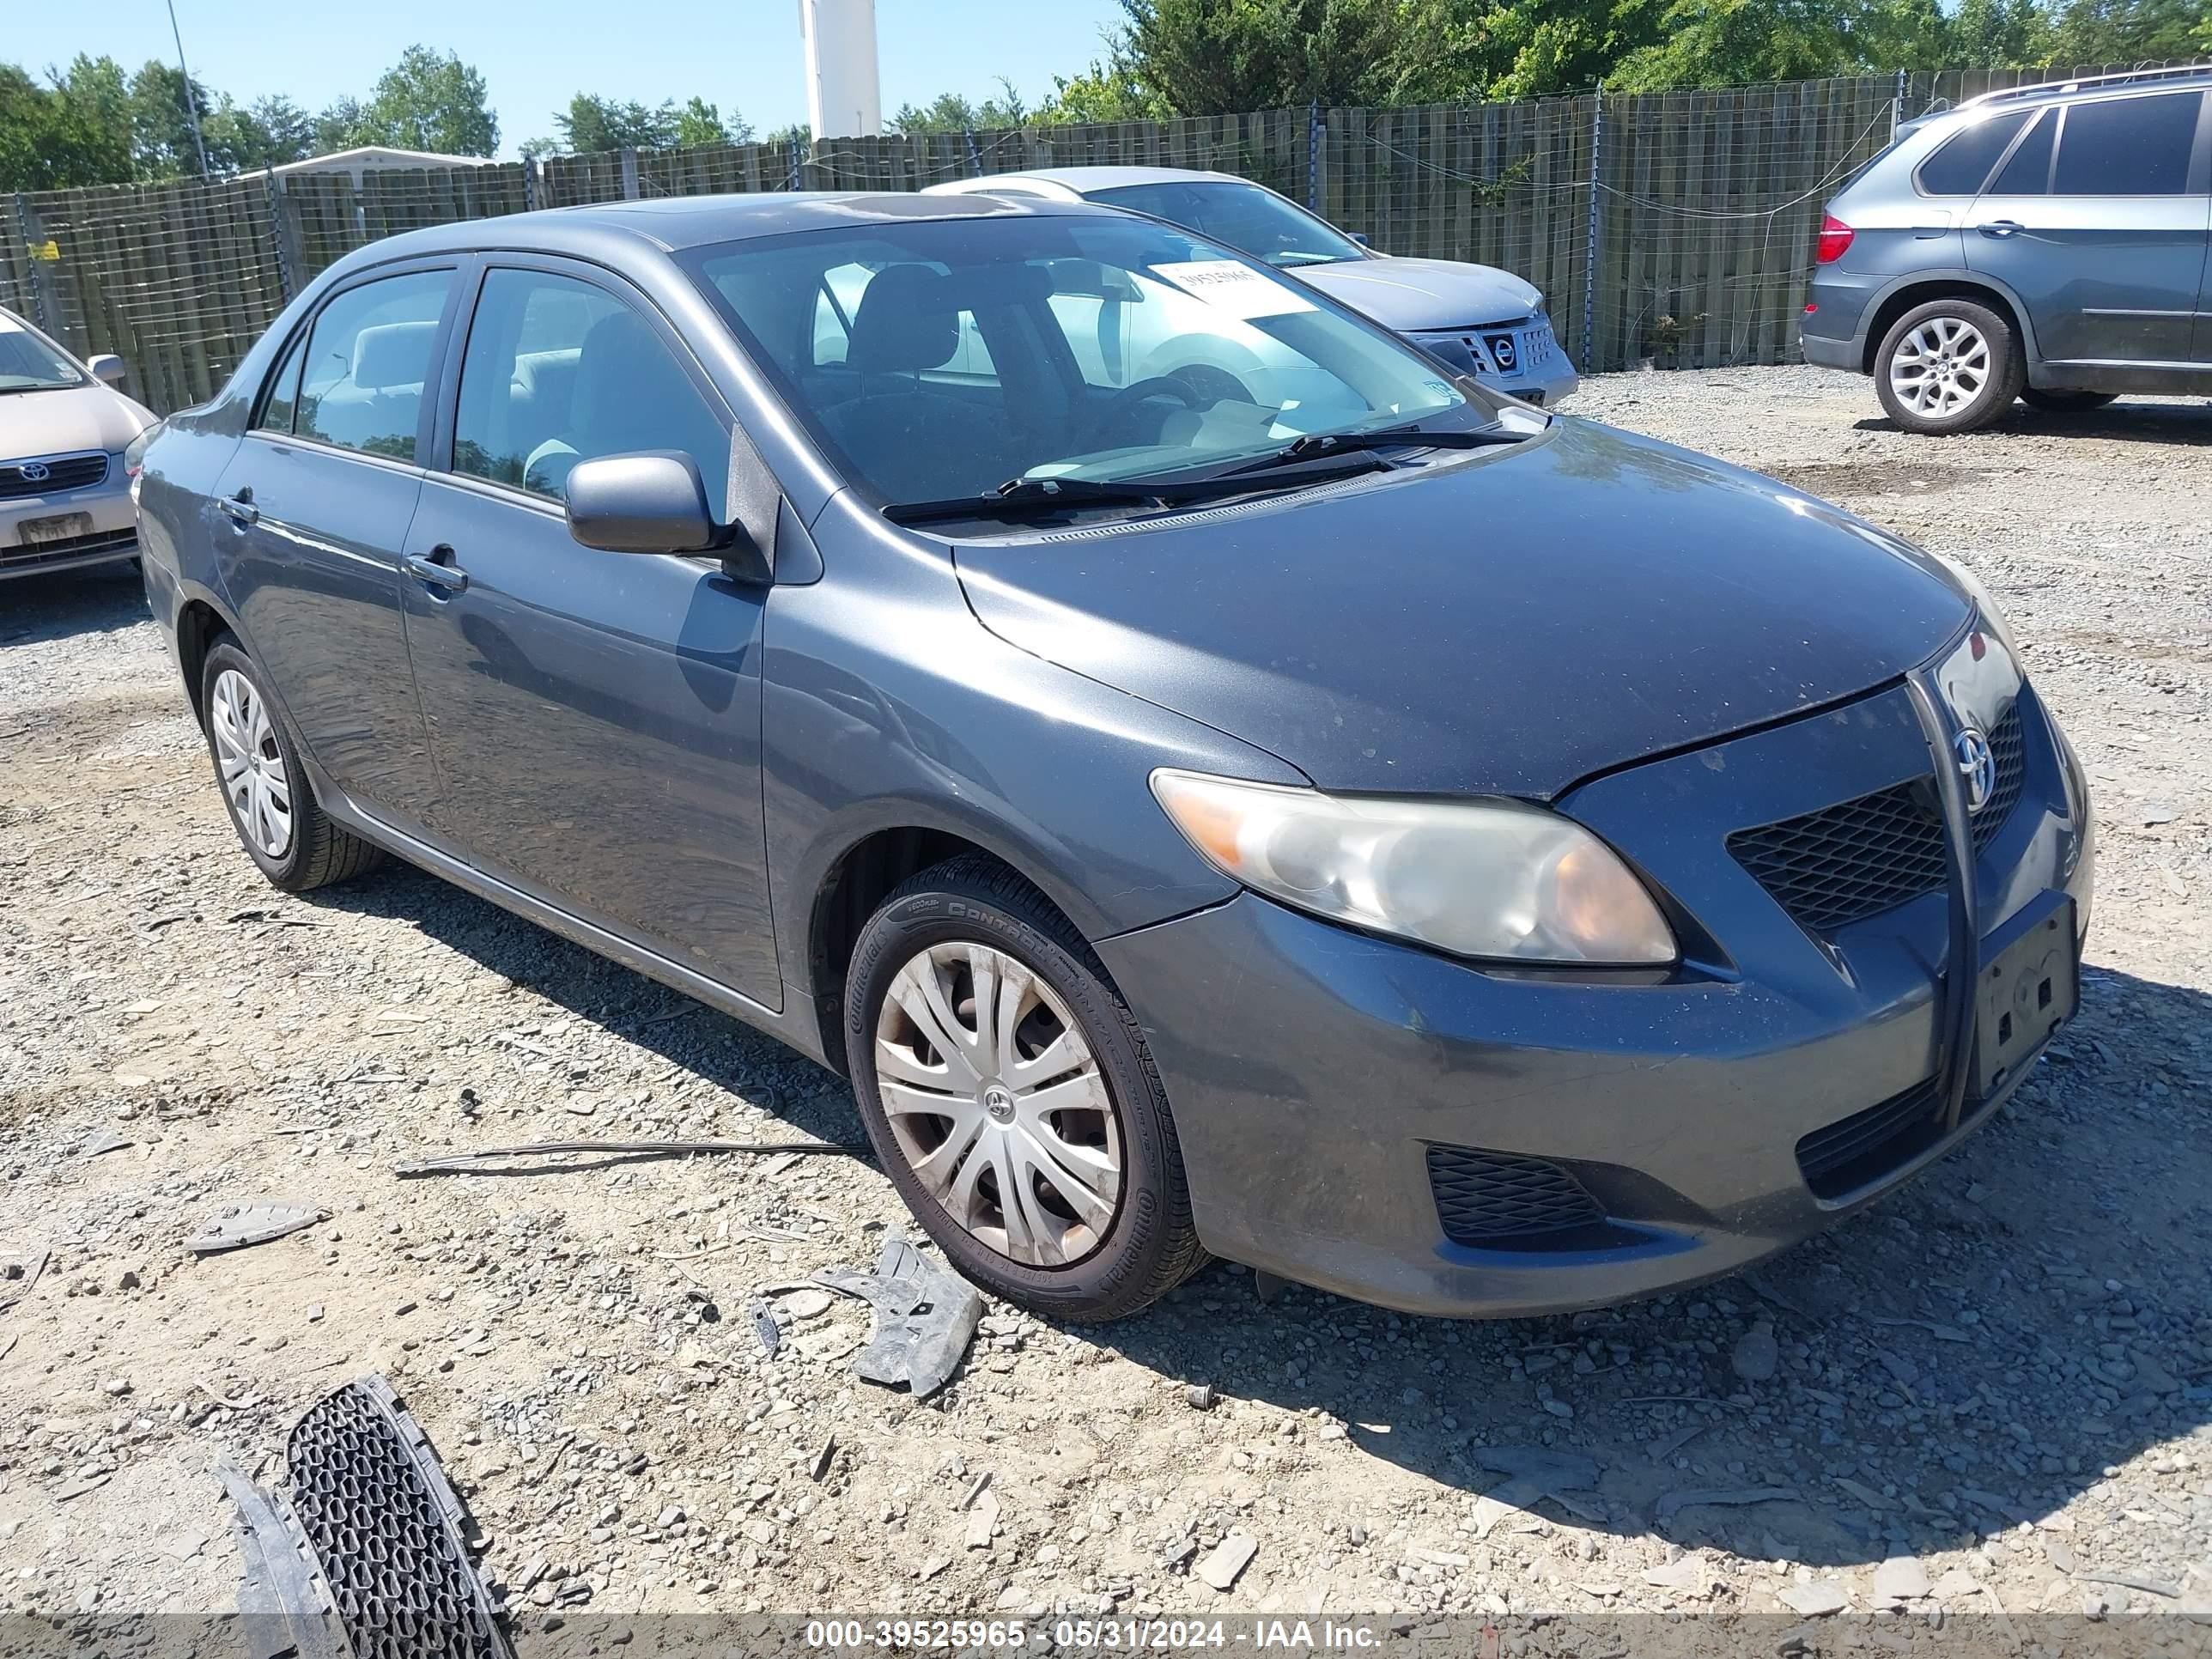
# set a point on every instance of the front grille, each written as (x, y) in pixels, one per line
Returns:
(2009, 747)
(1493, 1198)
(1867, 1145)
(1845, 863)
(69, 547)
(63, 472)
(382, 1522)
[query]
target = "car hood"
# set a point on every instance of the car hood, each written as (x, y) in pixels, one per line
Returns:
(1412, 295)
(1506, 625)
(58, 422)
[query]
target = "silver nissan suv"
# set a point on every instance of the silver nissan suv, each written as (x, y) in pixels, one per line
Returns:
(2046, 243)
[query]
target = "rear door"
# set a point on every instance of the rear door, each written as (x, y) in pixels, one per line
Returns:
(311, 515)
(2098, 220)
(595, 716)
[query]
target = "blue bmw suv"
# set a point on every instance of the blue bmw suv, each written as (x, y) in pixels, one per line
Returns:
(1299, 806)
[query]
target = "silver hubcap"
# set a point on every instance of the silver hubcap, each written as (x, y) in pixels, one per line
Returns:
(997, 1104)
(1940, 367)
(252, 769)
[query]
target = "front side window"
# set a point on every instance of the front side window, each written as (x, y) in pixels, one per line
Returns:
(27, 363)
(1961, 165)
(1243, 216)
(558, 371)
(2128, 147)
(367, 357)
(943, 359)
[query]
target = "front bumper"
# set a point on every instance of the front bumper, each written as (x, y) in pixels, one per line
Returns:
(1311, 1069)
(109, 529)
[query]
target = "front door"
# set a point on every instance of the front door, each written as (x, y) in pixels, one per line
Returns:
(595, 716)
(313, 512)
(2098, 221)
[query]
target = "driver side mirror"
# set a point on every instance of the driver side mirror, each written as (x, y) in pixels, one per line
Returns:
(108, 369)
(1360, 237)
(654, 502)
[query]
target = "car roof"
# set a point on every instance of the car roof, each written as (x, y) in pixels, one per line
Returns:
(669, 224)
(1083, 180)
(2119, 84)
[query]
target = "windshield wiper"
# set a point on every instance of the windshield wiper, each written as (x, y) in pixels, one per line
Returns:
(1318, 446)
(1026, 497)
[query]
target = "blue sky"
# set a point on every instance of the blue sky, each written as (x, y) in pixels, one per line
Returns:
(533, 54)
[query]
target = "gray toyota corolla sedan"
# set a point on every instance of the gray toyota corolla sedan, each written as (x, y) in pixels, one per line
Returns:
(1324, 815)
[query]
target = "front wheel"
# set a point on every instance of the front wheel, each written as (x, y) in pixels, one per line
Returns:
(2064, 403)
(1948, 366)
(1007, 1091)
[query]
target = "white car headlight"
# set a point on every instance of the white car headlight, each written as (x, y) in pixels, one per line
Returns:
(1476, 878)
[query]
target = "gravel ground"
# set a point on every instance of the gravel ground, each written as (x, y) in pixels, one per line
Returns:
(1989, 1394)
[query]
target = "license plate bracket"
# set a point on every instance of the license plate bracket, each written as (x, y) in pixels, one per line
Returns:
(60, 527)
(2028, 985)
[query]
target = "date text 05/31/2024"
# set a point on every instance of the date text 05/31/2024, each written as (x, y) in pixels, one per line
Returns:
(1134, 1635)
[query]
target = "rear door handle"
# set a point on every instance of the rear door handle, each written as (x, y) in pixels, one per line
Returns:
(2002, 227)
(240, 508)
(437, 568)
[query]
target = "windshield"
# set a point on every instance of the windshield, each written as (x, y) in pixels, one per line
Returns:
(27, 363)
(1244, 217)
(947, 358)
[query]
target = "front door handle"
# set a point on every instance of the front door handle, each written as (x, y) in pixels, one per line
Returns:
(240, 508)
(2002, 227)
(437, 568)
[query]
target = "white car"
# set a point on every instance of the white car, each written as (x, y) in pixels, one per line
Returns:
(65, 490)
(1477, 319)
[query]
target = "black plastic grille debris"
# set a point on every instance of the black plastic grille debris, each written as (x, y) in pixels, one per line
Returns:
(2008, 748)
(1868, 1144)
(1845, 863)
(1489, 1198)
(384, 1533)
(70, 472)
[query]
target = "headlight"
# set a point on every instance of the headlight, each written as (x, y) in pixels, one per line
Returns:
(1488, 878)
(1979, 594)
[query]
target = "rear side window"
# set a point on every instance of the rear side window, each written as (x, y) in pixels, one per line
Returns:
(557, 372)
(2027, 171)
(1961, 165)
(367, 361)
(2129, 147)
(283, 398)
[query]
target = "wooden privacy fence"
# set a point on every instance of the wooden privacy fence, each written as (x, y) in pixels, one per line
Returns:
(1673, 230)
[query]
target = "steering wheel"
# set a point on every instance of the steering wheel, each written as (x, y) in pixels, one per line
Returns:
(1123, 404)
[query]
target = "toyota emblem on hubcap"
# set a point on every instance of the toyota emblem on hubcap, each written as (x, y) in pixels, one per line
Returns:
(36, 471)
(999, 1103)
(1978, 765)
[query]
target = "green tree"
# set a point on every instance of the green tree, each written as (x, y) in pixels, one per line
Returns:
(268, 132)
(701, 123)
(593, 124)
(160, 124)
(1216, 56)
(1104, 92)
(1718, 43)
(428, 100)
(949, 111)
(2130, 31)
(339, 126)
(73, 131)
(1998, 34)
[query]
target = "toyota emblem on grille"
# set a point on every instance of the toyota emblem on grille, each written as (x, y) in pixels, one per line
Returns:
(1978, 765)
(35, 472)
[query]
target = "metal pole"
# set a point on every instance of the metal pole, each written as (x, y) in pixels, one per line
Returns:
(974, 157)
(192, 107)
(279, 207)
(629, 173)
(1896, 107)
(793, 184)
(1313, 156)
(1589, 250)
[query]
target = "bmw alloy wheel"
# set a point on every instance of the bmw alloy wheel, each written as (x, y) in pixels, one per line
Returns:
(998, 1104)
(1940, 366)
(251, 766)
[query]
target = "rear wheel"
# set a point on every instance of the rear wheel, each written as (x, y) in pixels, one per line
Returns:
(2064, 403)
(273, 807)
(1948, 366)
(1008, 1093)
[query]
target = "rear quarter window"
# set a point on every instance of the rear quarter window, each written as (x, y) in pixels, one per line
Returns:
(1960, 166)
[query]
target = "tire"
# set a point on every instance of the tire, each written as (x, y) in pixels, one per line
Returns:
(1056, 1255)
(1975, 368)
(312, 851)
(2064, 403)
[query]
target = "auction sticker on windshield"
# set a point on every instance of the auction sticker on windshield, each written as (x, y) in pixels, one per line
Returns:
(1238, 289)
